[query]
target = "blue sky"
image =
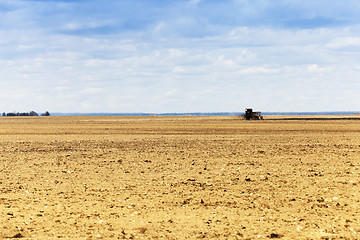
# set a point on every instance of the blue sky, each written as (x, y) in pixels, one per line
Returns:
(179, 55)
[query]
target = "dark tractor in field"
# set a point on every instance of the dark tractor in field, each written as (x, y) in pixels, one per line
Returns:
(251, 115)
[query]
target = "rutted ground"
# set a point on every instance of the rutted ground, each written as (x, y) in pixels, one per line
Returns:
(178, 178)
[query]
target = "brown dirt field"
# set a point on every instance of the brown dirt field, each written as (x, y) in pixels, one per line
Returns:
(179, 178)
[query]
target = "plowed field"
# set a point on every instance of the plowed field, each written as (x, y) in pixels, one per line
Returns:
(185, 177)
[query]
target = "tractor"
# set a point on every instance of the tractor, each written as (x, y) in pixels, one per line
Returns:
(251, 115)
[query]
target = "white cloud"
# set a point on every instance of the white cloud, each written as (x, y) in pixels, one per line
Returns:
(257, 70)
(316, 68)
(171, 92)
(344, 42)
(89, 24)
(92, 90)
(177, 59)
(179, 69)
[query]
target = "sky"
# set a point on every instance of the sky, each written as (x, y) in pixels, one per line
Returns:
(157, 56)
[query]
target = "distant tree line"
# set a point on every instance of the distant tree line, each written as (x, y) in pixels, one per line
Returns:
(32, 113)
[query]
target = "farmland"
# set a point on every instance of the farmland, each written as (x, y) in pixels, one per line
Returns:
(184, 177)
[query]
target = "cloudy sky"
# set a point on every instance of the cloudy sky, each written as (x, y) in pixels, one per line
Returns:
(179, 55)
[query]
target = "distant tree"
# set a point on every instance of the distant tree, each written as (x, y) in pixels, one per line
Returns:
(46, 113)
(33, 113)
(4, 114)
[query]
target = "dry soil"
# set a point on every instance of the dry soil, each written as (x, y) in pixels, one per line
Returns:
(110, 177)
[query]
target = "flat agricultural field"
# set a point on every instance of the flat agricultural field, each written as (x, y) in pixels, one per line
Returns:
(110, 177)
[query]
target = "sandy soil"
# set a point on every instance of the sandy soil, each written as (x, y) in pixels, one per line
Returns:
(179, 178)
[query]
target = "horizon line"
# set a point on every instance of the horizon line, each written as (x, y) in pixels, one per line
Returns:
(200, 113)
